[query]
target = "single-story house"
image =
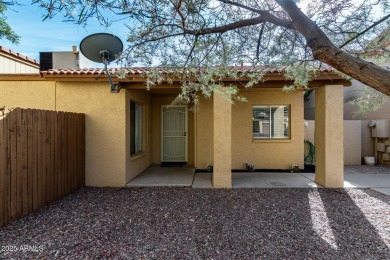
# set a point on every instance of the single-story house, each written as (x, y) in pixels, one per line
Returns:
(129, 131)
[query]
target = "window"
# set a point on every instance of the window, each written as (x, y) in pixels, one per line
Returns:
(135, 127)
(271, 122)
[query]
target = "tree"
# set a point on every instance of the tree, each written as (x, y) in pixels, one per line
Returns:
(210, 35)
(5, 30)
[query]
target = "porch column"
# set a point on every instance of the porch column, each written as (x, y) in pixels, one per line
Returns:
(222, 171)
(329, 135)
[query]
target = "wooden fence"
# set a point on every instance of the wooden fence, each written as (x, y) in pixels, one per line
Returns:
(42, 158)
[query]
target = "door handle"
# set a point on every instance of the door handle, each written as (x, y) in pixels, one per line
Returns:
(185, 134)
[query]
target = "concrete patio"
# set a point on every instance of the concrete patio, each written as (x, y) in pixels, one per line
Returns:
(186, 176)
(156, 176)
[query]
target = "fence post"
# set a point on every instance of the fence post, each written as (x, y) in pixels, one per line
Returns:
(2, 169)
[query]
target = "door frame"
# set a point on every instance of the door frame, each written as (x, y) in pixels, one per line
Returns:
(186, 131)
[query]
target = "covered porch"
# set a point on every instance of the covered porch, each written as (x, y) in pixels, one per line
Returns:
(220, 134)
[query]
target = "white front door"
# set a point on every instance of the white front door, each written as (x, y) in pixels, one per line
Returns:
(174, 134)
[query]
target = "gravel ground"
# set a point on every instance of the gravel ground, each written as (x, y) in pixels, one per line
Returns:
(377, 169)
(183, 223)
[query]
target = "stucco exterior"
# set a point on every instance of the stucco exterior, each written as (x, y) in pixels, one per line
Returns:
(105, 119)
(271, 153)
(220, 133)
(135, 164)
(328, 138)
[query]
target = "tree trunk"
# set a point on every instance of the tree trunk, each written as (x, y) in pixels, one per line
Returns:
(324, 50)
(365, 72)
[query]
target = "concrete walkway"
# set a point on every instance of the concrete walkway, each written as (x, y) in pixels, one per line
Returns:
(185, 176)
(378, 182)
(156, 176)
(259, 180)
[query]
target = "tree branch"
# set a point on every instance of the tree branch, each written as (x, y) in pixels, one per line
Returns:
(324, 50)
(364, 31)
(259, 42)
(235, 25)
(265, 14)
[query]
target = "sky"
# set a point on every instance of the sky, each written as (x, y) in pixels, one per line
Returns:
(51, 34)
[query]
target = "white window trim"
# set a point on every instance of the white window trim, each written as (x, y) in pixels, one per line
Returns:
(288, 137)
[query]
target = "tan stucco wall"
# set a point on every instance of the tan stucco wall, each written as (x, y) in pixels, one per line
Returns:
(264, 154)
(26, 94)
(352, 140)
(157, 102)
(105, 129)
(222, 112)
(105, 121)
(328, 136)
(204, 134)
(267, 154)
(137, 163)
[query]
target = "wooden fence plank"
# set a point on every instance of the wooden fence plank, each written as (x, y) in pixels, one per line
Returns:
(83, 146)
(48, 161)
(24, 163)
(30, 155)
(14, 175)
(75, 166)
(79, 152)
(2, 169)
(73, 152)
(19, 163)
(57, 150)
(70, 157)
(42, 158)
(34, 158)
(52, 155)
(7, 181)
(65, 154)
(60, 151)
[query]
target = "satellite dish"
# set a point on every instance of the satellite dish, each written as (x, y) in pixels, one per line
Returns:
(102, 48)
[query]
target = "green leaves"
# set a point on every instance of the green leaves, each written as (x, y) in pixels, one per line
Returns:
(6, 31)
(371, 100)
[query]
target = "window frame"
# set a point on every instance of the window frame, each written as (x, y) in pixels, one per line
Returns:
(269, 137)
(136, 128)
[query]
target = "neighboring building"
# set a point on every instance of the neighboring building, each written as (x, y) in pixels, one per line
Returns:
(63, 60)
(129, 131)
(15, 63)
(378, 50)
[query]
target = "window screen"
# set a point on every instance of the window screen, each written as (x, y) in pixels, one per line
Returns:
(271, 122)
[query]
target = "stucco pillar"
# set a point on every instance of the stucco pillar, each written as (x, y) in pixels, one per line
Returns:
(222, 110)
(329, 135)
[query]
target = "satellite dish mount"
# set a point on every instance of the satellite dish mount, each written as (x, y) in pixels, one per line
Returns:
(102, 48)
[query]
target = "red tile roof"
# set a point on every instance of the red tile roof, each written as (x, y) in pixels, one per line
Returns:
(91, 71)
(18, 56)
(134, 71)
